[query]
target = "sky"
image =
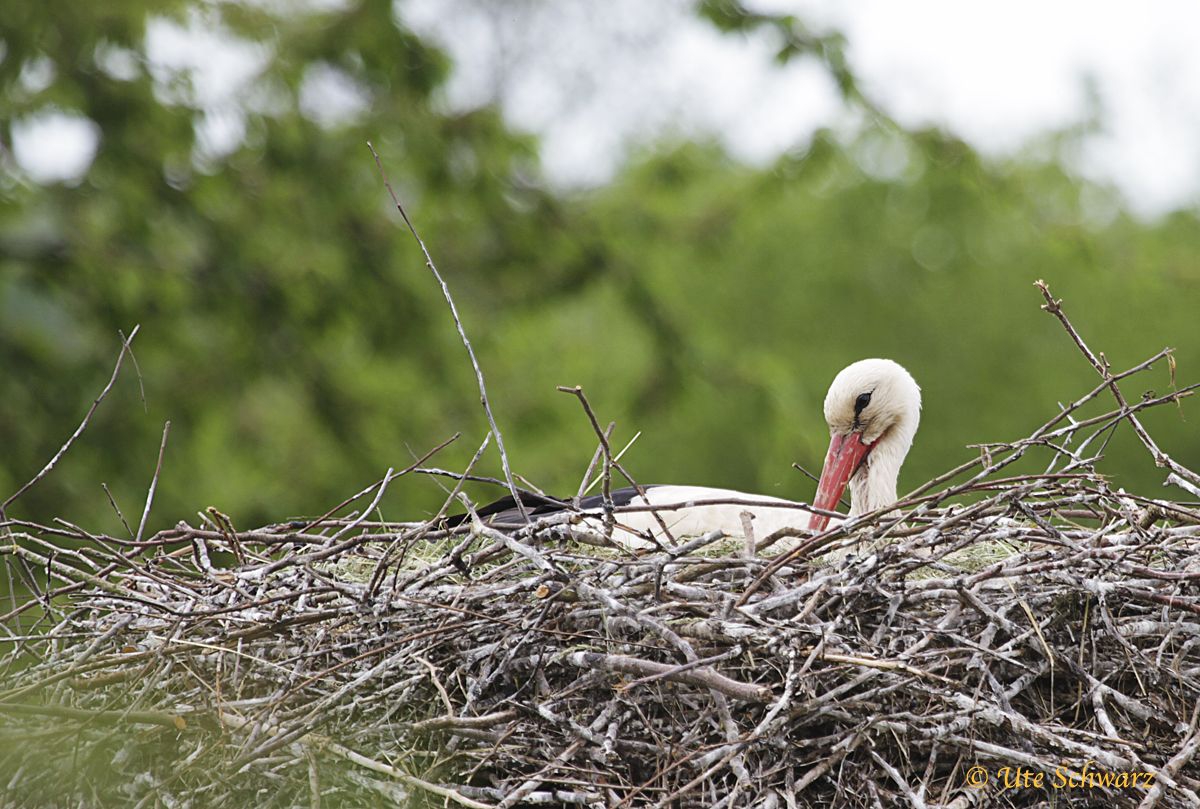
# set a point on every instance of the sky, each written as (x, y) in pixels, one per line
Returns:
(997, 74)
(597, 80)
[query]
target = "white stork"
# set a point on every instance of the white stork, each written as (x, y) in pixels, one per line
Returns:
(872, 408)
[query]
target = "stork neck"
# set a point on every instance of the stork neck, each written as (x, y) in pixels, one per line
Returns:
(875, 484)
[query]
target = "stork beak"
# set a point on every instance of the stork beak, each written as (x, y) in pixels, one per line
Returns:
(846, 454)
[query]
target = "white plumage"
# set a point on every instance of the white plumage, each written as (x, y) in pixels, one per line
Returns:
(873, 408)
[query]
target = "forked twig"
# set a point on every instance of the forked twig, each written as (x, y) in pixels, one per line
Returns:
(1161, 459)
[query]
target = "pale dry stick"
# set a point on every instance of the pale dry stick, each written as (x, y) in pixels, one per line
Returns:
(555, 797)
(1194, 491)
(914, 800)
(609, 463)
(365, 512)
(168, 720)
(530, 485)
(616, 457)
(137, 369)
(153, 483)
(1161, 459)
(314, 780)
(1178, 761)
(483, 397)
(606, 449)
(747, 533)
(445, 473)
(78, 430)
(385, 557)
(587, 475)
(817, 480)
(112, 502)
(1046, 430)
(670, 672)
(411, 468)
(447, 793)
(485, 721)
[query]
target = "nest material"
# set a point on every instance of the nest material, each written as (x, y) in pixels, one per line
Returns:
(873, 668)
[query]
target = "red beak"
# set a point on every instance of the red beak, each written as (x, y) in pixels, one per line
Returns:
(846, 454)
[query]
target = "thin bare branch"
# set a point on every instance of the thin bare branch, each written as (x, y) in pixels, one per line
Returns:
(45, 470)
(462, 333)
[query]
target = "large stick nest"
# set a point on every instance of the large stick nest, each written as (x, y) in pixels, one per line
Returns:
(1038, 624)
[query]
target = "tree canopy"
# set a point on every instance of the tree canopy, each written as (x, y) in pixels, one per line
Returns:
(292, 336)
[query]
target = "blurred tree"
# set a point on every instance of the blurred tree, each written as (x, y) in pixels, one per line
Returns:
(287, 329)
(291, 334)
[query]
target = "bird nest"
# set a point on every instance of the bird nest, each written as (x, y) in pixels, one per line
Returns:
(994, 640)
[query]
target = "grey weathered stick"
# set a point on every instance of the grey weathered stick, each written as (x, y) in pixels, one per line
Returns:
(153, 483)
(606, 450)
(596, 456)
(704, 676)
(112, 502)
(462, 333)
(78, 430)
(1162, 459)
(66, 712)
(609, 464)
(366, 511)
(412, 467)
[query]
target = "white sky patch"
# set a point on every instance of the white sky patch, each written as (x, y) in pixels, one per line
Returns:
(593, 79)
(199, 63)
(997, 74)
(55, 147)
(330, 97)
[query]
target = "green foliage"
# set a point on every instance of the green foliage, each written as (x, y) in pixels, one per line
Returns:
(299, 347)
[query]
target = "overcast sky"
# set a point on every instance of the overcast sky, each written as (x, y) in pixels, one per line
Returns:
(593, 78)
(996, 73)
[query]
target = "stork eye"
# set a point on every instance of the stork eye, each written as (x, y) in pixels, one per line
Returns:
(860, 404)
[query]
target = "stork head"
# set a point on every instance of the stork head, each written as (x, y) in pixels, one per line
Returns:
(872, 408)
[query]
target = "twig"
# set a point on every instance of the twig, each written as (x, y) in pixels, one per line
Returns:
(78, 430)
(483, 397)
(1161, 458)
(173, 721)
(112, 502)
(704, 676)
(609, 464)
(410, 468)
(162, 447)
(585, 485)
